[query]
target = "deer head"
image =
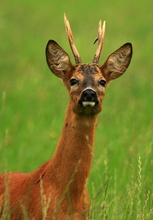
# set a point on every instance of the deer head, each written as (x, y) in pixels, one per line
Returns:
(86, 83)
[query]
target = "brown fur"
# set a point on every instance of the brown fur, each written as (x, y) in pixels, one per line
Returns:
(57, 190)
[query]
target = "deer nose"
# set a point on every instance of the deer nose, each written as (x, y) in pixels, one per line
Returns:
(89, 97)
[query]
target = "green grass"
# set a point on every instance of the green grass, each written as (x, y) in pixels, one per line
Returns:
(33, 101)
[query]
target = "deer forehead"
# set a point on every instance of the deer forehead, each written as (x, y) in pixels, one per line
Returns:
(88, 68)
(88, 73)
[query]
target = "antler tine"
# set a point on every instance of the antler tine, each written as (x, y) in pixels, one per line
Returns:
(101, 33)
(71, 41)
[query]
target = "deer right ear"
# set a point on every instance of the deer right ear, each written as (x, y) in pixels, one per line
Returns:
(58, 60)
(117, 63)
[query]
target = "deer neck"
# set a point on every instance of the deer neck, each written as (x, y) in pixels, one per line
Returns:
(71, 162)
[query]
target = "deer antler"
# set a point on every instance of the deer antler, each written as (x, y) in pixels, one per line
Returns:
(71, 41)
(101, 33)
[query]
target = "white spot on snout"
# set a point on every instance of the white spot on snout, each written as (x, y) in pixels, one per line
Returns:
(89, 88)
(86, 103)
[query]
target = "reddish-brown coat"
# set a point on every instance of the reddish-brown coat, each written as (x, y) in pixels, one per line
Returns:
(57, 190)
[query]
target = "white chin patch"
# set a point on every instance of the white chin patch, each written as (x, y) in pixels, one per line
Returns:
(91, 104)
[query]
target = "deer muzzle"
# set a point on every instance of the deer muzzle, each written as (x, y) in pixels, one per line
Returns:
(88, 98)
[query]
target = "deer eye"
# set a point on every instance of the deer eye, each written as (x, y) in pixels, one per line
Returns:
(73, 81)
(102, 82)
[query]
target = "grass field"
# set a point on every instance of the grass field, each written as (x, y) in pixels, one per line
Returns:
(33, 101)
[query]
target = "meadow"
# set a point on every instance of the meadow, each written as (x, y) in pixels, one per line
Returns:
(33, 101)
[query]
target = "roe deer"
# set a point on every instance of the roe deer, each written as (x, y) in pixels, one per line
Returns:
(58, 189)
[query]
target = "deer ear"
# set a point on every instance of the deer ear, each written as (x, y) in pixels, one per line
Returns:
(58, 60)
(117, 63)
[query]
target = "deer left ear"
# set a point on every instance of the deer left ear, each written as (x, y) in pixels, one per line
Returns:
(58, 60)
(117, 63)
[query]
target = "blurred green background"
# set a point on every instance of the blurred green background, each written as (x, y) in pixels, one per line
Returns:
(33, 100)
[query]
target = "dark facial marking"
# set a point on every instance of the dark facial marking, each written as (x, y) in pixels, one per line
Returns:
(88, 71)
